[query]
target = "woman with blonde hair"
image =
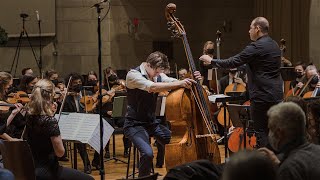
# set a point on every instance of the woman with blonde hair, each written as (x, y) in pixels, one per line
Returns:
(43, 135)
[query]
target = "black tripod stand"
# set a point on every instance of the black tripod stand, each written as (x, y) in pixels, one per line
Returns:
(17, 53)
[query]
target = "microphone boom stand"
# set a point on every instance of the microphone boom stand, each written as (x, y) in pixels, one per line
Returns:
(98, 8)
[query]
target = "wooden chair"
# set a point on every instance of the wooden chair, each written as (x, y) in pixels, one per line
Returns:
(17, 158)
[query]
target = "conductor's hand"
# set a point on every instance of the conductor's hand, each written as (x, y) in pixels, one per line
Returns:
(318, 85)
(206, 59)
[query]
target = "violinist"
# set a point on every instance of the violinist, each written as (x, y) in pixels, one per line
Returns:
(27, 83)
(6, 116)
(106, 113)
(110, 79)
(52, 75)
(72, 104)
(143, 85)
(300, 80)
(43, 135)
(208, 49)
(26, 71)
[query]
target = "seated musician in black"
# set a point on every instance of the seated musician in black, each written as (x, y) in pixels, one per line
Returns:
(143, 85)
(300, 80)
(43, 135)
(72, 104)
(91, 86)
(112, 81)
(234, 76)
(10, 116)
(26, 85)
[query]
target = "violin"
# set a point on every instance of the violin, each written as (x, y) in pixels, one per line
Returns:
(18, 97)
(90, 102)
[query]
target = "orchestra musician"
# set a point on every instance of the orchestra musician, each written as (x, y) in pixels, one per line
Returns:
(208, 49)
(26, 71)
(312, 72)
(230, 78)
(143, 85)
(263, 60)
(183, 73)
(27, 83)
(72, 104)
(43, 135)
(52, 75)
(300, 80)
(6, 118)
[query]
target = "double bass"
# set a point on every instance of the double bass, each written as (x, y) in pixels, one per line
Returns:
(193, 131)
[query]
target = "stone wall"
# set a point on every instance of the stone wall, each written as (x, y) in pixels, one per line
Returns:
(125, 45)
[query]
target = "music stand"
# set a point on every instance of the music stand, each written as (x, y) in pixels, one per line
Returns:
(118, 111)
(240, 115)
(223, 99)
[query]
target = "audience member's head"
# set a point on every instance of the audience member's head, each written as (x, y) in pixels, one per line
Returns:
(287, 125)
(249, 165)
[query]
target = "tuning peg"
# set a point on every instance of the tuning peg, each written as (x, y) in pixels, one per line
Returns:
(172, 27)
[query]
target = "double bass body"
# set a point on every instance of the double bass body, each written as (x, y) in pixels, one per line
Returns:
(186, 123)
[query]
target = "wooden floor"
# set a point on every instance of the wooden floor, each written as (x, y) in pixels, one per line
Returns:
(117, 170)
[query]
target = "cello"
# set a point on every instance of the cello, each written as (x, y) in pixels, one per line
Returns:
(193, 131)
(234, 87)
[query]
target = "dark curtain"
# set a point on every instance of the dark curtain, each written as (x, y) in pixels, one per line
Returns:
(289, 19)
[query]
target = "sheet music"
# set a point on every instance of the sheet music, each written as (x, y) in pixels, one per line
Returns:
(95, 139)
(212, 98)
(210, 71)
(84, 128)
(163, 106)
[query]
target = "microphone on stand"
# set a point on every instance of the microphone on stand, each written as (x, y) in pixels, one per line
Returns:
(97, 4)
(38, 16)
